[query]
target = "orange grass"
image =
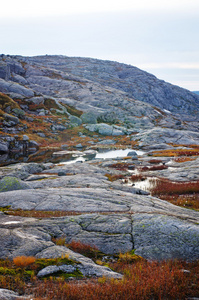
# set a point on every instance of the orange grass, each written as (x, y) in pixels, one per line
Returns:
(23, 261)
(183, 159)
(176, 152)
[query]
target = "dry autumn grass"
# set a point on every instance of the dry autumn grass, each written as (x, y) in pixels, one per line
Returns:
(184, 194)
(142, 280)
(177, 152)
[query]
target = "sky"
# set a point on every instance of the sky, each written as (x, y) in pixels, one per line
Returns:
(158, 36)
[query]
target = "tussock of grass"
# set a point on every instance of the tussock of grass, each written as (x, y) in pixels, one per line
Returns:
(6, 101)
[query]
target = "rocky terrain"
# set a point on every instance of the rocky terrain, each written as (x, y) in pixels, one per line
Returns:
(57, 115)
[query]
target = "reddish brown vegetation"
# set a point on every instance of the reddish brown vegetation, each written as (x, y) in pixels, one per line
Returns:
(41, 213)
(153, 168)
(155, 161)
(188, 201)
(179, 193)
(137, 177)
(120, 166)
(166, 187)
(84, 249)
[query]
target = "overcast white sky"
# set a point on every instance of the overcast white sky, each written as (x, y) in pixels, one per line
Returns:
(159, 36)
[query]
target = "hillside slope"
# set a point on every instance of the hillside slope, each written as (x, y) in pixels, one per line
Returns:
(138, 84)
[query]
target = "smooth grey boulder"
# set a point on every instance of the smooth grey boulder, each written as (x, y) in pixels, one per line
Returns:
(104, 129)
(75, 120)
(89, 118)
(132, 153)
(54, 269)
(9, 183)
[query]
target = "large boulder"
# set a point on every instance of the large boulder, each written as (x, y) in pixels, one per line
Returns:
(9, 183)
(89, 118)
(75, 120)
(85, 265)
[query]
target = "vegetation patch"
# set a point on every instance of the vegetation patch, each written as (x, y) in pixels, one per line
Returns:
(6, 101)
(142, 280)
(72, 110)
(85, 249)
(38, 213)
(153, 168)
(50, 103)
(120, 166)
(114, 177)
(184, 194)
(183, 159)
(176, 152)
